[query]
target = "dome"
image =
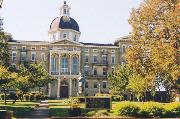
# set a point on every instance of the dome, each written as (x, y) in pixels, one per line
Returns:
(60, 23)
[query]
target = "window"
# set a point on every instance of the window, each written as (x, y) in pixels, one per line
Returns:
(33, 48)
(43, 57)
(95, 50)
(54, 36)
(64, 64)
(112, 51)
(112, 69)
(104, 84)
(104, 71)
(95, 71)
(33, 56)
(95, 59)
(95, 84)
(64, 35)
(86, 50)
(23, 56)
(86, 84)
(23, 47)
(75, 64)
(86, 58)
(65, 12)
(14, 47)
(43, 48)
(104, 58)
(130, 46)
(74, 83)
(53, 64)
(86, 70)
(14, 55)
(75, 37)
(123, 49)
(113, 59)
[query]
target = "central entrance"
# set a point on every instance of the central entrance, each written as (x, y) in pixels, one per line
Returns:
(64, 89)
(64, 93)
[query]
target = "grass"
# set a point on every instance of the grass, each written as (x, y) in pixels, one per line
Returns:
(19, 109)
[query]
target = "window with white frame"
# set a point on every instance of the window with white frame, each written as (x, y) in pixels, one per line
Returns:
(104, 84)
(23, 47)
(95, 84)
(130, 46)
(86, 50)
(95, 50)
(75, 65)
(86, 84)
(95, 71)
(43, 57)
(75, 37)
(64, 35)
(64, 64)
(14, 47)
(33, 48)
(43, 48)
(123, 48)
(105, 71)
(14, 55)
(104, 58)
(53, 64)
(113, 59)
(112, 51)
(86, 58)
(23, 56)
(33, 56)
(95, 59)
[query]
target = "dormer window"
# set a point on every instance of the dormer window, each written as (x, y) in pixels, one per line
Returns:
(64, 35)
(75, 37)
(65, 12)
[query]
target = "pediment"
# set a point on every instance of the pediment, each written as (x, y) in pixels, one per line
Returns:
(66, 42)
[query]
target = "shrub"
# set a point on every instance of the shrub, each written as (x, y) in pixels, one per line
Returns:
(152, 109)
(101, 113)
(117, 98)
(38, 96)
(26, 97)
(128, 109)
(31, 97)
(90, 113)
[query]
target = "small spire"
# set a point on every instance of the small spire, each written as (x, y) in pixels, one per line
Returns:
(65, 2)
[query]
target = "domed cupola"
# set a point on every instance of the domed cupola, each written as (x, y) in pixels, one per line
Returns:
(64, 27)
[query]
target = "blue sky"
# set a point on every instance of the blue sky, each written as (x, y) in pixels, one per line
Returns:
(100, 21)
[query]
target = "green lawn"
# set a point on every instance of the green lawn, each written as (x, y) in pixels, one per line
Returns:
(120, 109)
(19, 109)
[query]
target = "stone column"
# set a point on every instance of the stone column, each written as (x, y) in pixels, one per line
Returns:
(49, 90)
(70, 80)
(58, 88)
(79, 64)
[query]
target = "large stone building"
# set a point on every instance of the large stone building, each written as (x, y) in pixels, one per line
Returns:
(80, 68)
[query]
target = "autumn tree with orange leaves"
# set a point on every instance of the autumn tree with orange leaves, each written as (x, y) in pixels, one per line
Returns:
(156, 36)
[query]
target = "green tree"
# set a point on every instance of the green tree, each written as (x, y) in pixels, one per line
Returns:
(6, 79)
(137, 85)
(119, 79)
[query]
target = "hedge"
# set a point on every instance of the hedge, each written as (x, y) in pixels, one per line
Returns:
(148, 109)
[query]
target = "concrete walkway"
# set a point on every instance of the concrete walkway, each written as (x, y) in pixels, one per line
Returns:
(42, 112)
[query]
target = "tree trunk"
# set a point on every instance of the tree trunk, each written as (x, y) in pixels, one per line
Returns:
(4, 97)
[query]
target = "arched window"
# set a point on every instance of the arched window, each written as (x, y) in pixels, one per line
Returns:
(53, 64)
(75, 64)
(64, 64)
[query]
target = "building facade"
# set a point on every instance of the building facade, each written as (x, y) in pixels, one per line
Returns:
(80, 68)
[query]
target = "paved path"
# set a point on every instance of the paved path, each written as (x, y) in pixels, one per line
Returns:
(42, 112)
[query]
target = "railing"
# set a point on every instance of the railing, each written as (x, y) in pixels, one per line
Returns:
(96, 76)
(100, 63)
(64, 73)
(54, 73)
